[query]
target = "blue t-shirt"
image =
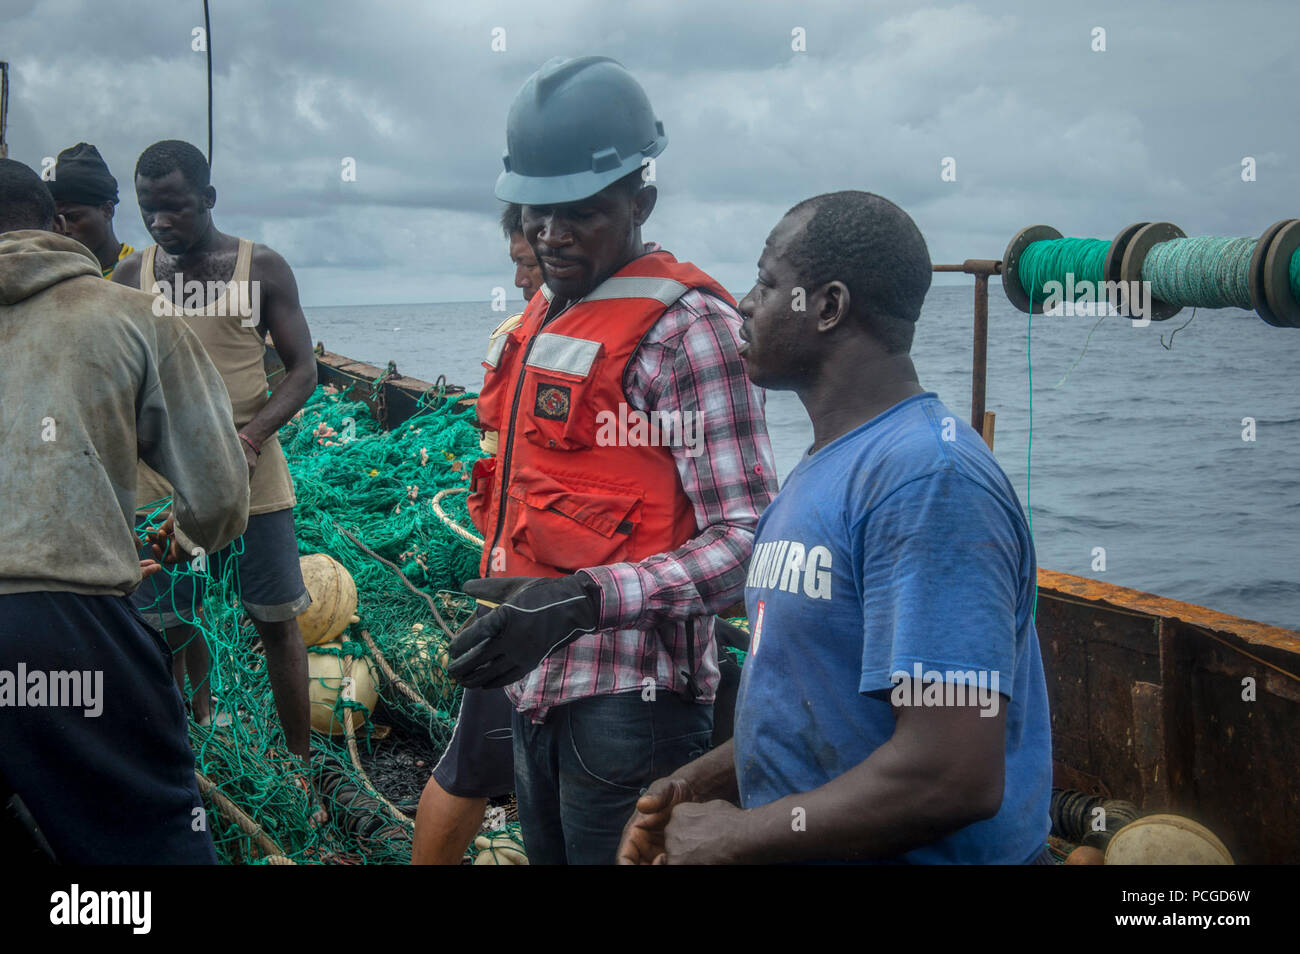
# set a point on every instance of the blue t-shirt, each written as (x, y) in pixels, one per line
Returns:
(900, 547)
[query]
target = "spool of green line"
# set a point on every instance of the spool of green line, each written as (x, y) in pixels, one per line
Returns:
(1041, 266)
(1207, 271)
(1079, 261)
(1217, 272)
(1017, 292)
(1039, 256)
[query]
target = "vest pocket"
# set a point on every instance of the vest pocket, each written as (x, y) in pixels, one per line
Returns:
(571, 522)
(479, 502)
(557, 404)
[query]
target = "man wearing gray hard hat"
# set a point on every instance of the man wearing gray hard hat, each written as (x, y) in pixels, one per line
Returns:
(633, 463)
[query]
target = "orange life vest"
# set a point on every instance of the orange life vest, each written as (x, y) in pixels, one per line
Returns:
(571, 485)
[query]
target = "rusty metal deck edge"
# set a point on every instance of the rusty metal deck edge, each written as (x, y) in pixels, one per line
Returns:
(1082, 589)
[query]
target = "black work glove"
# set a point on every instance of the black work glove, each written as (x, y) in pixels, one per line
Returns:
(536, 616)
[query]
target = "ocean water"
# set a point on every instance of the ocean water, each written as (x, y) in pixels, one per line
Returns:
(1139, 451)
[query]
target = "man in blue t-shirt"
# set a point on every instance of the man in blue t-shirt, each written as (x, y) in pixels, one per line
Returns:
(893, 705)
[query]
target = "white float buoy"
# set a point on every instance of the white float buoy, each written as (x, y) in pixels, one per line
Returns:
(325, 684)
(333, 599)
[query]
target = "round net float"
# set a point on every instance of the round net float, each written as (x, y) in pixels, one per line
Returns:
(1142, 241)
(499, 850)
(326, 684)
(1166, 840)
(333, 599)
(1015, 291)
(1279, 286)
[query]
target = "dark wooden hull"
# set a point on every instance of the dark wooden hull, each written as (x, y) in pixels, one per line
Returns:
(1175, 706)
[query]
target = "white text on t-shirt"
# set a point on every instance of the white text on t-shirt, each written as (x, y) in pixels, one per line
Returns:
(789, 565)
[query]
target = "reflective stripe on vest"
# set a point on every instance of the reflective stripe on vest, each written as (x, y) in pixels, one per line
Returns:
(663, 290)
(495, 347)
(552, 352)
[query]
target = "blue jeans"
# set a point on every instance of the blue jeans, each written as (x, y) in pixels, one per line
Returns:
(579, 774)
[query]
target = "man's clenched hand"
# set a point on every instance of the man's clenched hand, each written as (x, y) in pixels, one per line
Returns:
(643, 836)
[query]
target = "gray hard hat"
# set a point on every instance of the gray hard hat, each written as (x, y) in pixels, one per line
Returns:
(576, 126)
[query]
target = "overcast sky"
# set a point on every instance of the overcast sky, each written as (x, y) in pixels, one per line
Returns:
(1042, 128)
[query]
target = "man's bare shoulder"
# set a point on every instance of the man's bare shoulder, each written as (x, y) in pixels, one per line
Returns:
(269, 265)
(127, 271)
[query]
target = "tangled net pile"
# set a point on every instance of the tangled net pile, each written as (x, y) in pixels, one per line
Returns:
(365, 496)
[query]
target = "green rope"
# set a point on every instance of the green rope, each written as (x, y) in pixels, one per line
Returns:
(1203, 272)
(378, 485)
(1029, 442)
(1295, 275)
(1206, 271)
(1052, 260)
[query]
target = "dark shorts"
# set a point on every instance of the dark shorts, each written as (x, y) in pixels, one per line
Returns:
(479, 761)
(107, 773)
(270, 580)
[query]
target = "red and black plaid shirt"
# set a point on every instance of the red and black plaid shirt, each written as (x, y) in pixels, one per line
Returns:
(689, 361)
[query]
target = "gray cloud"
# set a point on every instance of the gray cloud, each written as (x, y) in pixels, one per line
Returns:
(1042, 128)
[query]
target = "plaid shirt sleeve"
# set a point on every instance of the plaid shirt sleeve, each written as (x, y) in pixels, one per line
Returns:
(690, 362)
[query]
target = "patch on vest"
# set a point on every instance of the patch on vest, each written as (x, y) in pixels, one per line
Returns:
(552, 402)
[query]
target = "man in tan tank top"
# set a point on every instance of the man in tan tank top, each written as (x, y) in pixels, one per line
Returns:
(243, 292)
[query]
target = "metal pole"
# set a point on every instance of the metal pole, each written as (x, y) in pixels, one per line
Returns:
(981, 268)
(207, 41)
(979, 363)
(4, 109)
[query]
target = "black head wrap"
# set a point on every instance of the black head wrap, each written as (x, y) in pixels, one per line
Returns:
(82, 176)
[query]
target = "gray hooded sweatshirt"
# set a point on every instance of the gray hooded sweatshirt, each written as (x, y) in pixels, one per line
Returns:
(89, 377)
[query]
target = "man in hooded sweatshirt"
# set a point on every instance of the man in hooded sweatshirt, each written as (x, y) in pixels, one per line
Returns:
(92, 728)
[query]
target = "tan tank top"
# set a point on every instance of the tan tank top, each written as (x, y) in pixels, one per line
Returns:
(236, 350)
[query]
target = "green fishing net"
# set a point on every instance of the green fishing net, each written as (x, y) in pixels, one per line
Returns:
(364, 496)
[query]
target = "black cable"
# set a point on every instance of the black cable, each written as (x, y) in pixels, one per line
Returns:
(207, 36)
